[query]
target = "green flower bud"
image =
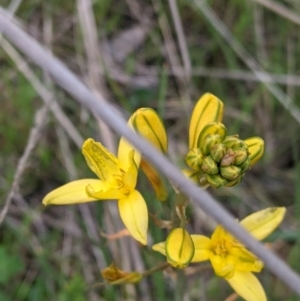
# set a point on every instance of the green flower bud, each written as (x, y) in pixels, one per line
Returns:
(218, 151)
(245, 165)
(234, 142)
(230, 172)
(212, 128)
(236, 181)
(240, 156)
(229, 158)
(194, 159)
(203, 182)
(216, 181)
(209, 142)
(210, 166)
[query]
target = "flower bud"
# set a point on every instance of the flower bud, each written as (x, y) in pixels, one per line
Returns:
(230, 172)
(218, 151)
(203, 182)
(209, 142)
(236, 181)
(245, 165)
(256, 148)
(148, 124)
(216, 181)
(179, 248)
(208, 109)
(240, 155)
(210, 166)
(212, 128)
(234, 142)
(229, 158)
(194, 159)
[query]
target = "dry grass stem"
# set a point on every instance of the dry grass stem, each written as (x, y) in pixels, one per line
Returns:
(44, 93)
(34, 135)
(280, 10)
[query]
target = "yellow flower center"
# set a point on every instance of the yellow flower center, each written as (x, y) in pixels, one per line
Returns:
(230, 255)
(222, 246)
(119, 183)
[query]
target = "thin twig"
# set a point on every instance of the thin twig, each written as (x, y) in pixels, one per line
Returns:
(280, 10)
(181, 38)
(43, 92)
(171, 52)
(35, 133)
(151, 74)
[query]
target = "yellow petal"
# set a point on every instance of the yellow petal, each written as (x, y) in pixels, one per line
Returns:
(123, 154)
(247, 286)
(71, 193)
(134, 214)
(256, 148)
(203, 248)
(220, 234)
(179, 248)
(160, 247)
(221, 267)
(103, 192)
(262, 223)
(130, 176)
(148, 124)
(100, 160)
(209, 108)
(155, 179)
(244, 260)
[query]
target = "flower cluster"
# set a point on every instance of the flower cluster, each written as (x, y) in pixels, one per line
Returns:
(214, 159)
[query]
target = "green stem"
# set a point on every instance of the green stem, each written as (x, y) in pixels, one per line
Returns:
(180, 285)
(159, 267)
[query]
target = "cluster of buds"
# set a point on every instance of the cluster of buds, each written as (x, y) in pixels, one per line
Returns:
(215, 158)
(218, 159)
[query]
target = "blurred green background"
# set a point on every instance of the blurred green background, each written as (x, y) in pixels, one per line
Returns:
(165, 55)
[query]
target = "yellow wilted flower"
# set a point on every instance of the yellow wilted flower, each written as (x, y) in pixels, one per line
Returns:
(218, 159)
(230, 259)
(114, 275)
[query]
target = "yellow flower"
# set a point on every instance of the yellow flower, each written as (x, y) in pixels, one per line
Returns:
(117, 180)
(230, 259)
(218, 160)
